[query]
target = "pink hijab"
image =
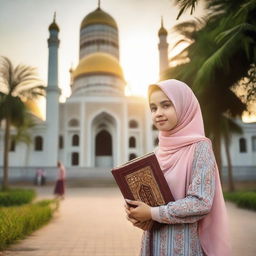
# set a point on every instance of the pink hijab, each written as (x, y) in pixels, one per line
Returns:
(175, 155)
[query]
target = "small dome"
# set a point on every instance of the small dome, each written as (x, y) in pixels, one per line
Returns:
(98, 17)
(98, 63)
(162, 32)
(54, 26)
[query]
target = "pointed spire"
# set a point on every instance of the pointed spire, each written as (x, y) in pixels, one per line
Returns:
(54, 17)
(162, 31)
(54, 26)
(98, 4)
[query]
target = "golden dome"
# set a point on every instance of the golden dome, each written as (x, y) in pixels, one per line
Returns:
(34, 108)
(98, 63)
(98, 17)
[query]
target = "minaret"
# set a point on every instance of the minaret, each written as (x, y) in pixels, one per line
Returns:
(52, 97)
(163, 49)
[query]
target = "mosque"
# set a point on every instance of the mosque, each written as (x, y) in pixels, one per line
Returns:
(99, 127)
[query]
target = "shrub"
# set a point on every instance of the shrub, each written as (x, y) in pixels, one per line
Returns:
(13, 197)
(19, 221)
(242, 199)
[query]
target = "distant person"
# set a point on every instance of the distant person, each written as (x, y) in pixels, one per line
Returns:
(59, 189)
(40, 177)
(195, 223)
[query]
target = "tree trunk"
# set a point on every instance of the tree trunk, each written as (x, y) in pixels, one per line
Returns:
(231, 186)
(217, 151)
(6, 152)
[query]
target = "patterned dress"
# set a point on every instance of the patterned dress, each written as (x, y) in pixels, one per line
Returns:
(178, 236)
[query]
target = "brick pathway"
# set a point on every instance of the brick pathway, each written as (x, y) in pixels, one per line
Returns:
(91, 222)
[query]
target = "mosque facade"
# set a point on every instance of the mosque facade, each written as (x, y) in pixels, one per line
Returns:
(99, 126)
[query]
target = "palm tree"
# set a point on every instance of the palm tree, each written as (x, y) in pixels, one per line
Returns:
(201, 36)
(17, 85)
(229, 125)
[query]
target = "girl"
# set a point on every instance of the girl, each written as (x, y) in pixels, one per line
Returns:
(196, 222)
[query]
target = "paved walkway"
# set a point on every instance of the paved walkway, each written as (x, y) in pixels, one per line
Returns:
(91, 222)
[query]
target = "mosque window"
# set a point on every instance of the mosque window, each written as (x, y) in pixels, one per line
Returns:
(156, 141)
(75, 140)
(13, 145)
(132, 142)
(61, 142)
(242, 145)
(38, 143)
(132, 156)
(73, 123)
(133, 124)
(75, 159)
(254, 143)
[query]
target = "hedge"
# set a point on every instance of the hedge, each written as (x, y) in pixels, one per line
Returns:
(13, 197)
(242, 199)
(18, 221)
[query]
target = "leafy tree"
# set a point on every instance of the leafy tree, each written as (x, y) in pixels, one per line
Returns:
(16, 86)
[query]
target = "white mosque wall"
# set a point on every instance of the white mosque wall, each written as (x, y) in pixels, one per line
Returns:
(97, 85)
(238, 158)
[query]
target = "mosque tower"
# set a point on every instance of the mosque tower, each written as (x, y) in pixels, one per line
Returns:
(163, 49)
(52, 97)
(99, 72)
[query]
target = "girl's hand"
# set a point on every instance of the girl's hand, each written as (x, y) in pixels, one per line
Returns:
(144, 225)
(141, 213)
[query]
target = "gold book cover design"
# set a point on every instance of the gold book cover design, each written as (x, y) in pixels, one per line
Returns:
(142, 179)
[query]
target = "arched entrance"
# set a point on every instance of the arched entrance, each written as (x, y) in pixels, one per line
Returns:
(104, 139)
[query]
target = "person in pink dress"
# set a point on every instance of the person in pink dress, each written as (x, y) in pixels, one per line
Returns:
(59, 189)
(195, 223)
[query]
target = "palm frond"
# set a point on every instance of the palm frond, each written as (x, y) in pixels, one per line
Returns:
(186, 4)
(6, 70)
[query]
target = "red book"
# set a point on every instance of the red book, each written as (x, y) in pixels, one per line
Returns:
(142, 179)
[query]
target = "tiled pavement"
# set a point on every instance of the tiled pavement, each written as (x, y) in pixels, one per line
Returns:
(91, 222)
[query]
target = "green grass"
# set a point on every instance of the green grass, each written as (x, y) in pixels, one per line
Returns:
(244, 199)
(13, 197)
(18, 221)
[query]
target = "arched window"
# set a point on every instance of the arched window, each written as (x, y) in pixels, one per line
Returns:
(75, 158)
(242, 145)
(254, 143)
(75, 140)
(156, 141)
(73, 123)
(133, 124)
(132, 156)
(38, 143)
(132, 142)
(61, 142)
(13, 145)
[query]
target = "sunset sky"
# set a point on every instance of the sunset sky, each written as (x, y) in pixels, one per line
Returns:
(24, 33)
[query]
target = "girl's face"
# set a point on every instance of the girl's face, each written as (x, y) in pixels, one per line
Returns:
(163, 112)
